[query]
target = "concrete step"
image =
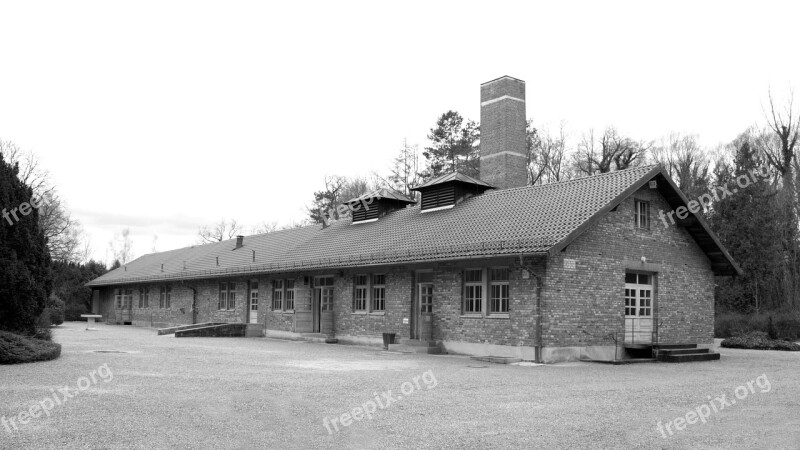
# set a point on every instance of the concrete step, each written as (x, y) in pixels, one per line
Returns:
(681, 351)
(688, 357)
(224, 330)
(402, 348)
(418, 343)
(675, 346)
(497, 359)
(172, 330)
(254, 330)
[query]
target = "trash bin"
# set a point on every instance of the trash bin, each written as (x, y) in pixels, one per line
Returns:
(388, 338)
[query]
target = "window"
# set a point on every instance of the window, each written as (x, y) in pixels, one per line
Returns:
(127, 301)
(498, 290)
(223, 295)
(638, 295)
(360, 293)
(169, 296)
(473, 291)
(289, 304)
(325, 285)
(162, 298)
(642, 214)
(144, 297)
(118, 298)
(379, 292)
(227, 296)
(277, 295)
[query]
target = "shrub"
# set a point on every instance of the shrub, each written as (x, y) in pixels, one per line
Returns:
(73, 312)
(56, 307)
(15, 349)
(729, 324)
(759, 340)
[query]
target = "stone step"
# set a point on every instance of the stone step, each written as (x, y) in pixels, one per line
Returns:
(688, 357)
(681, 351)
(402, 348)
(418, 343)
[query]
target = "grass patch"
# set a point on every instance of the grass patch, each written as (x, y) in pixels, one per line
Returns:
(784, 325)
(759, 340)
(15, 349)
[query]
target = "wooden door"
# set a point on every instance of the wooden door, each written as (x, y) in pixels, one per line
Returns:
(638, 308)
(326, 310)
(425, 312)
(253, 307)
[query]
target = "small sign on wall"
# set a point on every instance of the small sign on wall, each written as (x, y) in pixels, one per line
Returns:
(569, 264)
(405, 320)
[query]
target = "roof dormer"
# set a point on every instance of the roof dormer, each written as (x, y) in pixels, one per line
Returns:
(376, 204)
(449, 190)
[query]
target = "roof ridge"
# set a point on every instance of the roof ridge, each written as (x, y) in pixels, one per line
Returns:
(573, 180)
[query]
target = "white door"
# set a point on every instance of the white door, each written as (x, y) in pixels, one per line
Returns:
(254, 302)
(638, 308)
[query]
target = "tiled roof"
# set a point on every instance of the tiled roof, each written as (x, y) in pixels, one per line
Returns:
(454, 176)
(530, 219)
(382, 193)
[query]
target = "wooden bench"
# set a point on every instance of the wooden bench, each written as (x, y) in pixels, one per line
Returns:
(91, 318)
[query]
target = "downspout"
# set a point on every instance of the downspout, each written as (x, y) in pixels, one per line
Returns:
(538, 325)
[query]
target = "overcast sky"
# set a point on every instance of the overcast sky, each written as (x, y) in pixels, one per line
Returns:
(164, 116)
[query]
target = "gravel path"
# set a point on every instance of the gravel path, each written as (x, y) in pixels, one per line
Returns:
(263, 393)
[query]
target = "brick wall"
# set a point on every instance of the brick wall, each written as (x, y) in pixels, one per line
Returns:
(590, 298)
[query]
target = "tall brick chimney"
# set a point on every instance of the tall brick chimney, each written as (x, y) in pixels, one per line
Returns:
(503, 153)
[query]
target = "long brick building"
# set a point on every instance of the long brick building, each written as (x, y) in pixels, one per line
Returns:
(585, 268)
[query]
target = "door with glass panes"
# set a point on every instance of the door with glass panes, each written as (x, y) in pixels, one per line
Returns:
(421, 327)
(253, 301)
(638, 308)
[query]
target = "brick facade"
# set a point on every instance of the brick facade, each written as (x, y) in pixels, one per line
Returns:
(581, 306)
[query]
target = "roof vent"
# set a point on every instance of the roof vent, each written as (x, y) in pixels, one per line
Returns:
(376, 204)
(448, 190)
(239, 241)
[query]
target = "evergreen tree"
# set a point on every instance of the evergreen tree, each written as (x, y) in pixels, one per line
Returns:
(25, 277)
(749, 222)
(454, 147)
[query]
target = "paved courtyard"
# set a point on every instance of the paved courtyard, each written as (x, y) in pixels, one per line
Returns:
(166, 392)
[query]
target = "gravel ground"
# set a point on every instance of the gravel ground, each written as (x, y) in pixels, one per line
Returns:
(265, 393)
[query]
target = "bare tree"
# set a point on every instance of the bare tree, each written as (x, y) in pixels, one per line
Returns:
(597, 156)
(218, 232)
(779, 148)
(546, 153)
(404, 173)
(685, 162)
(30, 171)
(264, 227)
(62, 232)
(121, 247)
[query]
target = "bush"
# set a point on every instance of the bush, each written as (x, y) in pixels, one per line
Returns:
(56, 310)
(15, 349)
(73, 312)
(730, 324)
(759, 340)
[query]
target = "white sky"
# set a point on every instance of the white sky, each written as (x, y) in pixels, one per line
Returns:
(163, 116)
